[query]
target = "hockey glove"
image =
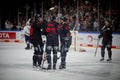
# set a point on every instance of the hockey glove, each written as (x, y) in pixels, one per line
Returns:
(99, 36)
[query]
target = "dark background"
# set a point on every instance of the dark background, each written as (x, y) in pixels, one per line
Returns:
(9, 9)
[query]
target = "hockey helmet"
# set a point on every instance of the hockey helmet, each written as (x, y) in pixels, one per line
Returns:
(37, 16)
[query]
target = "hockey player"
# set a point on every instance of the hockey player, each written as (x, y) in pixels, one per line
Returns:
(26, 32)
(65, 39)
(52, 42)
(36, 39)
(106, 34)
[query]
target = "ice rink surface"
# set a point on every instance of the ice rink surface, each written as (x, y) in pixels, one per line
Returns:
(16, 64)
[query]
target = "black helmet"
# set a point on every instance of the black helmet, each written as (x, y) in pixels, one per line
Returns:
(37, 16)
(108, 22)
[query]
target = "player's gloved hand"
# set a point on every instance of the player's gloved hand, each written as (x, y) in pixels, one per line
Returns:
(99, 36)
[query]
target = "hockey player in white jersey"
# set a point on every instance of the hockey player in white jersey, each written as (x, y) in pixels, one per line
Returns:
(26, 32)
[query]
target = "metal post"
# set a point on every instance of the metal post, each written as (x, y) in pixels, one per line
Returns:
(42, 11)
(34, 9)
(77, 17)
(59, 11)
(18, 17)
(110, 10)
(98, 16)
(27, 8)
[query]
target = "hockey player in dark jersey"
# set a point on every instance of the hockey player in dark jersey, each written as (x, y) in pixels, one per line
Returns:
(65, 39)
(52, 42)
(36, 39)
(106, 34)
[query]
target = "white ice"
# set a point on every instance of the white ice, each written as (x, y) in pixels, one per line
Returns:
(16, 64)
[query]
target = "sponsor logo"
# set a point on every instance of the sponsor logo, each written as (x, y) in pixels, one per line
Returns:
(90, 38)
(7, 35)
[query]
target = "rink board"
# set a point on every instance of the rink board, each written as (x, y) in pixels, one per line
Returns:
(79, 39)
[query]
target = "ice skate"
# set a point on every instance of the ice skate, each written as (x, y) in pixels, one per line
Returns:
(62, 66)
(109, 59)
(49, 67)
(102, 59)
(27, 48)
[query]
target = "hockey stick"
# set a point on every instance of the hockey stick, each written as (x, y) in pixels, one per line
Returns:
(43, 60)
(97, 47)
(43, 56)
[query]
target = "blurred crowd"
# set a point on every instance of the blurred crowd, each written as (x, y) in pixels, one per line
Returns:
(84, 16)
